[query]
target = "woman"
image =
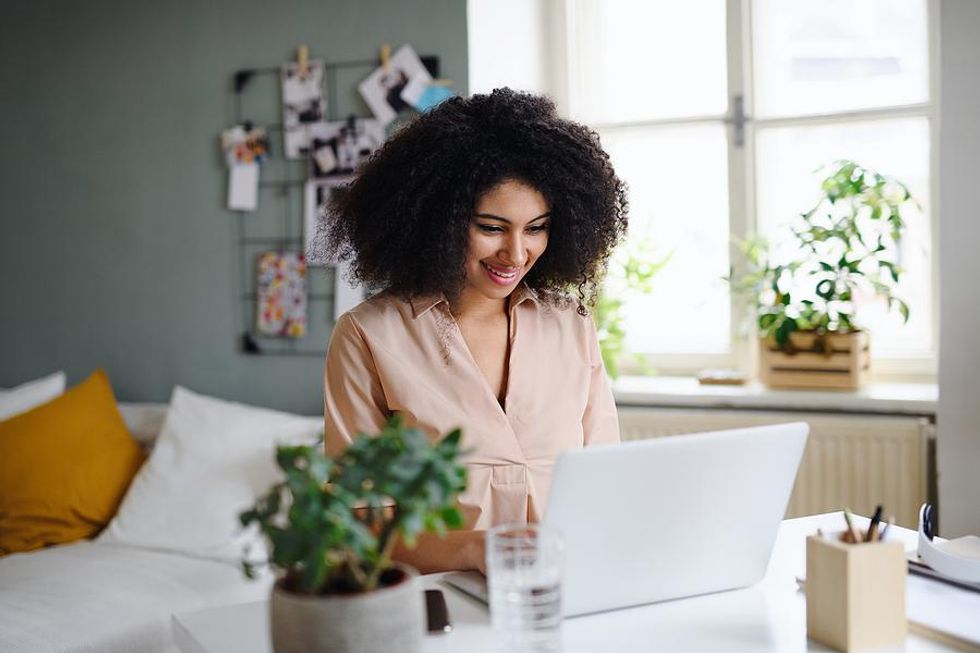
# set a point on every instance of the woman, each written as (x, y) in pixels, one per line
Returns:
(487, 223)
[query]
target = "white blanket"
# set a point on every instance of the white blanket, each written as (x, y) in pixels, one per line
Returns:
(90, 597)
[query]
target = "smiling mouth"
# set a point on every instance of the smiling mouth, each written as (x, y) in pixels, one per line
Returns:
(501, 274)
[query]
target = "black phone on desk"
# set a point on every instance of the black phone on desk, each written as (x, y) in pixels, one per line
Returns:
(438, 613)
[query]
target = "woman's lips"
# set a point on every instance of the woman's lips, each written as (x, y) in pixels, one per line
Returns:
(502, 275)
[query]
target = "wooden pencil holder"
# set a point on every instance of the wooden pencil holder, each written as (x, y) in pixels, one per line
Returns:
(855, 593)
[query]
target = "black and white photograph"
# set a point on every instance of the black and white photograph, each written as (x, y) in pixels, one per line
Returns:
(303, 104)
(382, 90)
(339, 147)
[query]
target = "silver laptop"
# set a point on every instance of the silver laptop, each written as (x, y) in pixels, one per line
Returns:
(675, 516)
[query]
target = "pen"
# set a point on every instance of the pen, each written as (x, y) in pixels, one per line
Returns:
(884, 531)
(873, 527)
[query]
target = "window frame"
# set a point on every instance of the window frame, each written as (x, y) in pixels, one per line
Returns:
(566, 83)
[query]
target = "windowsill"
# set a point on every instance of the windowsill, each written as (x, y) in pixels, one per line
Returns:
(676, 392)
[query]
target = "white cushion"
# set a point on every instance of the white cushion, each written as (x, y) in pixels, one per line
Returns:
(22, 398)
(212, 459)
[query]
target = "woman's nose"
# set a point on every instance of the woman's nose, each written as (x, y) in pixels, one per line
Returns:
(516, 250)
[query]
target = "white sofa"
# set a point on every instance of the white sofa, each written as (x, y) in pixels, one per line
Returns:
(107, 597)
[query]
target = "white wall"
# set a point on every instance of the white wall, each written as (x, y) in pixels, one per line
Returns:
(959, 268)
(508, 42)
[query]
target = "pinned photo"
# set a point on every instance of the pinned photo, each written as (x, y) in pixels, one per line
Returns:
(303, 104)
(244, 148)
(245, 144)
(339, 148)
(382, 90)
(281, 286)
(423, 94)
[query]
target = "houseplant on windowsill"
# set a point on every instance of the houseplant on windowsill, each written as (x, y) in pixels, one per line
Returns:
(630, 274)
(805, 290)
(332, 525)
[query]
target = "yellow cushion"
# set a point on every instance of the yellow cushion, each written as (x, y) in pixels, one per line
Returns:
(64, 467)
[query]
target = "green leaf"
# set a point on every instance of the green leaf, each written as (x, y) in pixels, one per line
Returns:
(892, 269)
(825, 288)
(453, 517)
(321, 540)
(903, 310)
(785, 328)
(248, 517)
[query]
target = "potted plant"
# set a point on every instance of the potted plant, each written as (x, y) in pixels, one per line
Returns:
(630, 273)
(331, 526)
(804, 291)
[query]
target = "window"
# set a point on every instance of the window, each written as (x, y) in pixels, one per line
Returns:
(718, 114)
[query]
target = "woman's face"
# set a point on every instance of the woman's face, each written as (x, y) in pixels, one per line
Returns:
(508, 233)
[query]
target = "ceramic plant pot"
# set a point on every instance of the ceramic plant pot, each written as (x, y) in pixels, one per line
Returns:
(391, 618)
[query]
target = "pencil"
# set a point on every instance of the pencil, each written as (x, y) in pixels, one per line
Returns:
(850, 526)
(884, 531)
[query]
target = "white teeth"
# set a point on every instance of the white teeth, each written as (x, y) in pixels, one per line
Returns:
(497, 272)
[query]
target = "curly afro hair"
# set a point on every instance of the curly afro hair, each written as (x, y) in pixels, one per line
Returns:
(404, 221)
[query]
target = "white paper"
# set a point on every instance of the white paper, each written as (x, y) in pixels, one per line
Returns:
(243, 187)
(415, 88)
(940, 606)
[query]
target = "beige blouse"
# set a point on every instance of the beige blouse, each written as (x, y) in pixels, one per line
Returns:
(388, 354)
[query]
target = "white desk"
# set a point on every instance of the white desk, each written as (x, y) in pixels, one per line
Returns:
(770, 616)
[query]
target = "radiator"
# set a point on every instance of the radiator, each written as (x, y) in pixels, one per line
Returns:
(854, 461)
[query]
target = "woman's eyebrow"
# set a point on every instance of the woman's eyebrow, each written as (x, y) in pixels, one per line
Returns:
(491, 216)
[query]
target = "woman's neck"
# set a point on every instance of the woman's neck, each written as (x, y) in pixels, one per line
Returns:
(471, 304)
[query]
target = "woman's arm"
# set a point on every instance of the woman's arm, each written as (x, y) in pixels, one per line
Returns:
(457, 551)
(353, 400)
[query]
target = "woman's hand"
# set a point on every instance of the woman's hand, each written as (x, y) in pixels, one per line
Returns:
(457, 551)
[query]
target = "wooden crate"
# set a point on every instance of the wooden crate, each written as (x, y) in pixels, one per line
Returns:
(840, 361)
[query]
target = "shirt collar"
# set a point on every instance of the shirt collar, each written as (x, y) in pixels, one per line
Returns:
(422, 304)
(521, 294)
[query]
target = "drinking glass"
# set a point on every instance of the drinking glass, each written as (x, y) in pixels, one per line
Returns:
(524, 565)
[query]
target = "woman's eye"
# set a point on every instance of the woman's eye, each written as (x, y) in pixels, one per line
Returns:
(489, 228)
(538, 228)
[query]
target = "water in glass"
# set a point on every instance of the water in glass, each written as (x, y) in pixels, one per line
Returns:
(524, 578)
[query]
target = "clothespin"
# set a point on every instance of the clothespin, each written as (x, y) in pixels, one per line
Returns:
(303, 58)
(385, 55)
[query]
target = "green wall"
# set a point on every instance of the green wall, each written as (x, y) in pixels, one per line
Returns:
(115, 248)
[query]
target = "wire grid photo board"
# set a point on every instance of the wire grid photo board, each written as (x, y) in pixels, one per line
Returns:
(273, 236)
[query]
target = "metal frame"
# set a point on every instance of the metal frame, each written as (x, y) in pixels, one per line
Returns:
(248, 341)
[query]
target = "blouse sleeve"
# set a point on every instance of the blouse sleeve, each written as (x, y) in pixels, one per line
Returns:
(353, 399)
(600, 422)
